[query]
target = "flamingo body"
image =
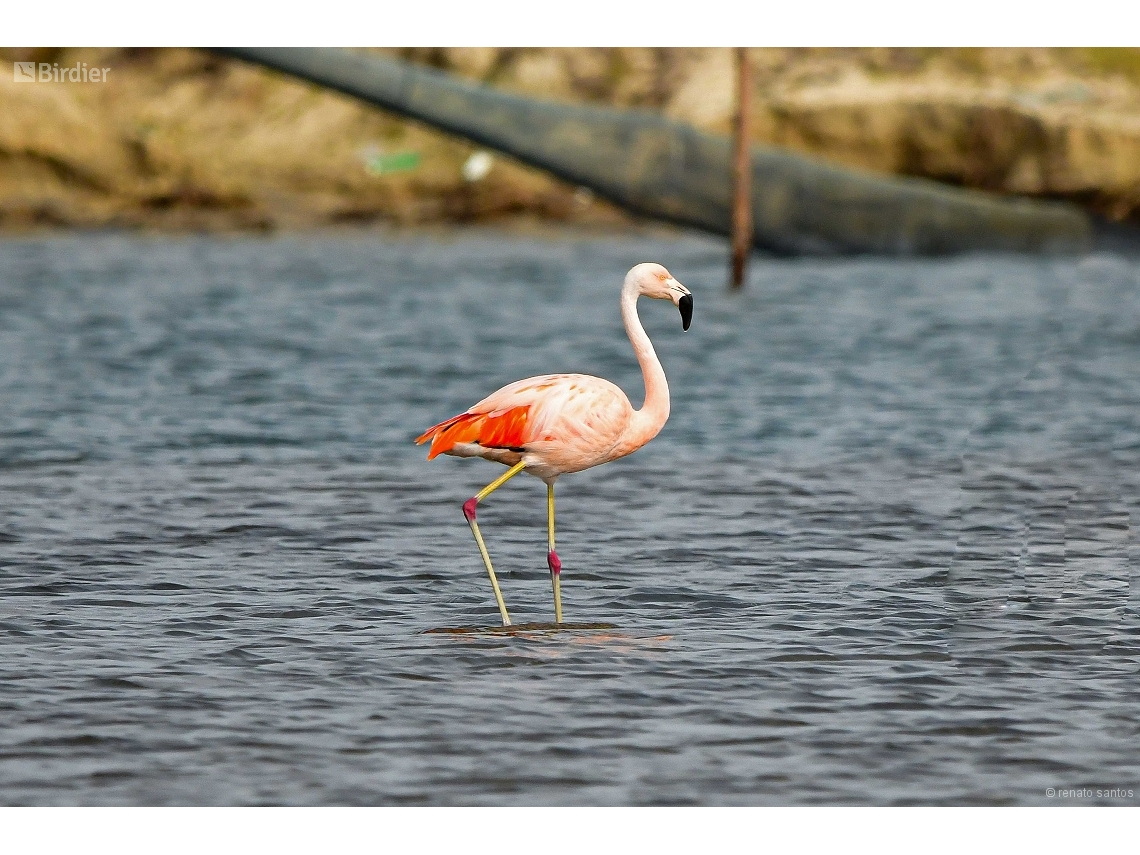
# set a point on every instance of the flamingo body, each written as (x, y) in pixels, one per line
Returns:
(556, 423)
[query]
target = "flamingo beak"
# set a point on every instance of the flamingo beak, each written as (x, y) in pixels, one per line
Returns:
(685, 304)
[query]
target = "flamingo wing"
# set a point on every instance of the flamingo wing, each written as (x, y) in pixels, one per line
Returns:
(503, 429)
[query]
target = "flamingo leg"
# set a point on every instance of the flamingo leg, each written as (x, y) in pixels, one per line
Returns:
(469, 513)
(552, 558)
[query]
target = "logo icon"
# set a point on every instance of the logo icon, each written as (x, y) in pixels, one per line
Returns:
(24, 72)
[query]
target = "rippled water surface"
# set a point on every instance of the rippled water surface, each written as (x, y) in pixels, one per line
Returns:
(883, 552)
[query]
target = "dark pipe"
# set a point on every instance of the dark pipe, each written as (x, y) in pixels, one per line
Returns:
(670, 171)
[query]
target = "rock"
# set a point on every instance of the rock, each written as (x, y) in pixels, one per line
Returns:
(1055, 140)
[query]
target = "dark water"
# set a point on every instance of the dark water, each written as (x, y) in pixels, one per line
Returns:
(883, 552)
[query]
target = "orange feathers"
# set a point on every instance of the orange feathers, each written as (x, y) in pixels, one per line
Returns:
(501, 429)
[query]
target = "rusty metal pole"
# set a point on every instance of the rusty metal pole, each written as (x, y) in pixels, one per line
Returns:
(741, 172)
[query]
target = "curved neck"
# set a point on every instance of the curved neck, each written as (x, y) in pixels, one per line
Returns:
(655, 410)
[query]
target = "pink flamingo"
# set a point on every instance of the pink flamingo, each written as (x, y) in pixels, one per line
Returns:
(559, 423)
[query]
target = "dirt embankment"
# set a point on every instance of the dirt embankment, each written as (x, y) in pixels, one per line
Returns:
(178, 139)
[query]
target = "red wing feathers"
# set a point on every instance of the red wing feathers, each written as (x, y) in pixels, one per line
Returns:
(502, 429)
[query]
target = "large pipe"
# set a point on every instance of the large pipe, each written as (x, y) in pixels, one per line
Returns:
(671, 171)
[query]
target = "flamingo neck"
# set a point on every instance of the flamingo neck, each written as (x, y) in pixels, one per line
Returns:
(648, 421)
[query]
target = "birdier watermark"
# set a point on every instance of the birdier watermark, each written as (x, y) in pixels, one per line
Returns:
(1089, 793)
(53, 72)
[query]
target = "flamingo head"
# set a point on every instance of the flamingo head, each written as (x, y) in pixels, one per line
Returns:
(653, 280)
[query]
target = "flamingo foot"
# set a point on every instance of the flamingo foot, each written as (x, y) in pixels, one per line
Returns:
(554, 562)
(469, 509)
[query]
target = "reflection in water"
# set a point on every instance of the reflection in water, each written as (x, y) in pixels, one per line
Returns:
(882, 552)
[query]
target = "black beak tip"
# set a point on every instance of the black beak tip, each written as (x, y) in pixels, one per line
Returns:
(685, 304)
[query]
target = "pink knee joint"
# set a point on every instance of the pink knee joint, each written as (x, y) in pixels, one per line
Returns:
(555, 563)
(469, 508)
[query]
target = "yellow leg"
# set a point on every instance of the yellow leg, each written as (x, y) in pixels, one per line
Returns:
(469, 513)
(553, 559)
(499, 482)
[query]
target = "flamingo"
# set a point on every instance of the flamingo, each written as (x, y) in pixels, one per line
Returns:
(555, 424)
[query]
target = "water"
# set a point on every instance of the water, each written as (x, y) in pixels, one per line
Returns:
(883, 552)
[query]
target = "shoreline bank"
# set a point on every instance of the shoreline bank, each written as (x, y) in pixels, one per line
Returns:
(180, 140)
